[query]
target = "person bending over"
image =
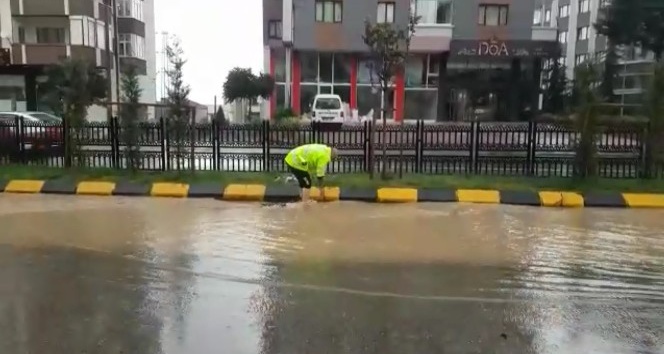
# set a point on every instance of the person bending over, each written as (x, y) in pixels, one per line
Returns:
(307, 161)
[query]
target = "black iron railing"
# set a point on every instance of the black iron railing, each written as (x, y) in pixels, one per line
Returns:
(488, 148)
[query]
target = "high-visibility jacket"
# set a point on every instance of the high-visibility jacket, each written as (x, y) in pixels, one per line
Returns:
(311, 157)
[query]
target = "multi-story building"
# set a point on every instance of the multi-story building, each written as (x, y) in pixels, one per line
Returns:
(467, 57)
(580, 41)
(39, 33)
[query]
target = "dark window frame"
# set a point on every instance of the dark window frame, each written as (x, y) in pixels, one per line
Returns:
(389, 5)
(274, 29)
(334, 3)
(500, 7)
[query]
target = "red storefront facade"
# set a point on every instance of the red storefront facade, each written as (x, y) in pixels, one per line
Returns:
(347, 75)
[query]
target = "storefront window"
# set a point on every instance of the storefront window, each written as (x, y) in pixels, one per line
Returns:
(420, 104)
(342, 65)
(307, 94)
(344, 92)
(366, 100)
(12, 93)
(325, 62)
(309, 67)
(281, 96)
(414, 71)
(364, 72)
(279, 57)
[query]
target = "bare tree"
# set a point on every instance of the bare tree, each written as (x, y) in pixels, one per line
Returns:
(389, 46)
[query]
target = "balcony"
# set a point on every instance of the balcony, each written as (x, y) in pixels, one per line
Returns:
(434, 29)
(544, 33)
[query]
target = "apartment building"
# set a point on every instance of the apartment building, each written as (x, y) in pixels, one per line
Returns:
(39, 33)
(580, 41)
(465, 55)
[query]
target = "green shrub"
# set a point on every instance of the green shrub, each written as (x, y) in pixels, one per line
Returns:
(284, 113)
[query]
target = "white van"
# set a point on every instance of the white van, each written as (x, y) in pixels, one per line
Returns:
(327, 108)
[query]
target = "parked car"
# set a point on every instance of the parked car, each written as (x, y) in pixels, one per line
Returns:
(327, 108)
(41, 131)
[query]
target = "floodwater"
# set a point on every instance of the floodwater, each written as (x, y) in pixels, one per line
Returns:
(146, 276)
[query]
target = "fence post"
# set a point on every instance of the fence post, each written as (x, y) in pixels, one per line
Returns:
(474, 146)
(65, 143)
(165, 161)
(365, 146)
(215, 144)
(530, 157)
(644, 151)
(265, 132)
(115, 142)
(20, 132)
(418, 145)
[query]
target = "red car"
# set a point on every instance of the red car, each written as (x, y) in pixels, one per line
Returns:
(41, 131)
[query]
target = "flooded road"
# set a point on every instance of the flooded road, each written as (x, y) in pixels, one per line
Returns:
(114, 275)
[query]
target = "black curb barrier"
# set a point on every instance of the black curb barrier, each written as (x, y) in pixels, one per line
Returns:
(206, 190)
(131, 189)
(529, 198)
(436, 195)
(3, 184)
(280, 194)
(604, 200)
(358, 194)
(59, 186)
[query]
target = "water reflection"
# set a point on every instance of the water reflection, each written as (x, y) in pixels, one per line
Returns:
(180, 276)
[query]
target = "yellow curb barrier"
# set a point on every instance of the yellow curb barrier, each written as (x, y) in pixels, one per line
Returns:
(478, 196)
(396, 195)
(644, 200)
(561, 199)
(244, 192)
(331, 194)
(95, 188)
(169, 190)
(24, 186)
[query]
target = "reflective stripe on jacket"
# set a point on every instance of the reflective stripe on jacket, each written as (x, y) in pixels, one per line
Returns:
(311, 157)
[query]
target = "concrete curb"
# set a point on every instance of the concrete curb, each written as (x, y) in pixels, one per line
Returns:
(285, 193)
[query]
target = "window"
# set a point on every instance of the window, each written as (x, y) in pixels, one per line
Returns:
(274, 29)
(130, 8)
(564, 11)
(131, 45)
(385, 12)
(434, 11)
(329, 11)
(584, 5)
(422, 71)
(582, 33)
(580, 58)
(537, 17)
(562, 36)
(562, 61)
(493, 15)
(51, 35)
(21, 35)
(604, 3)
(547, 15)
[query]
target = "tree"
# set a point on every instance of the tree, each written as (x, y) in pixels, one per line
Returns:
(220, 117)
(129, 116)
(241, 84)
(71, 87)
(556, 88)
(654, 109)
(609, 73)
(587, 102)
(634, 22)
(177, 98)
(388, 46)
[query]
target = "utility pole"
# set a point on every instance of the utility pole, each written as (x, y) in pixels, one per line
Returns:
(116, 49)
(109, 77)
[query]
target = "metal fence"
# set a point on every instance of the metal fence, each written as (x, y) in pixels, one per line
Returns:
(486, 148)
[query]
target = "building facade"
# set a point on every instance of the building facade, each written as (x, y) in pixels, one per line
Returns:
(39, 33)
(466, 56)
(580, 42)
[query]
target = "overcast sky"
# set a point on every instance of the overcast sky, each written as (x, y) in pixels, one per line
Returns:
(216, 36)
